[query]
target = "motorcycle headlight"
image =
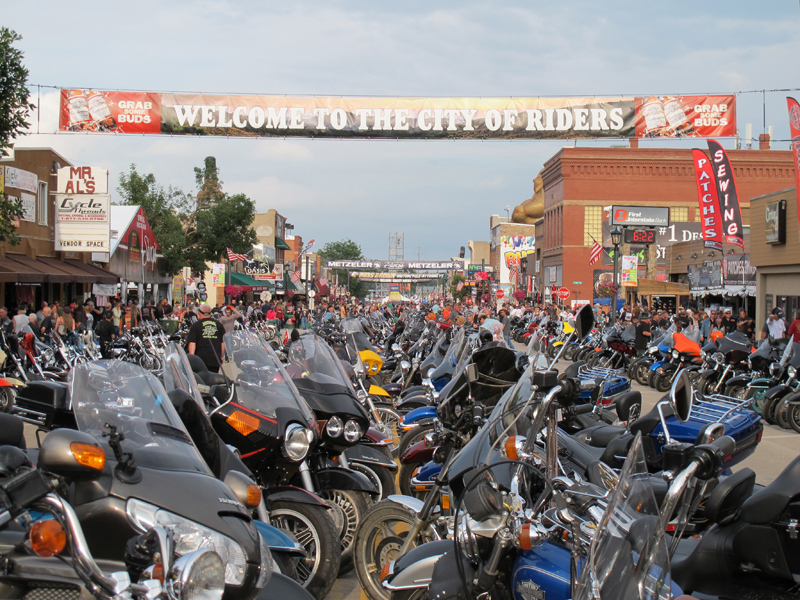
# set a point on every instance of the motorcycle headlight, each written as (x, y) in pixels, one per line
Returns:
(653, 350)
(775, 369)
(675, 354)
(190, 536)
(352, 431)
(265, 572)
(199, 575)
(296, 442)
(334, 427)
(719, 357)
(466, 538)
(791, 371)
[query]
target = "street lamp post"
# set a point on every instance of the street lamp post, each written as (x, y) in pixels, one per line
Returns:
(524, 265)
(616, 239)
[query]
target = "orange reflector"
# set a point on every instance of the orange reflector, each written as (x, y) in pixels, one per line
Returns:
(445, 502)
(243, 423)
(253, 496)
(158, 571)
(48, 538)
(525, 537)
(419, 488)
(386, 570)
(511, 447)
(88, 455)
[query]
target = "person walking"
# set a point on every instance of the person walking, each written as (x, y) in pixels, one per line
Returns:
(793, 345)
(106, 333)
(205, 339)
(228, 321)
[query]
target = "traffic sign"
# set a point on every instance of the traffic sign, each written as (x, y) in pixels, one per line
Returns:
(563, 293)
(577, 283)
(500, 293)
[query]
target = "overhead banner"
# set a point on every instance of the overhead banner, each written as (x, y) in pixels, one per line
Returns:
(393, 265)
(139, 113)
(794, 124)
(710, 216)
(727, 196)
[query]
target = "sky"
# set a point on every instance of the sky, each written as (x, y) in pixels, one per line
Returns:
(440, 194)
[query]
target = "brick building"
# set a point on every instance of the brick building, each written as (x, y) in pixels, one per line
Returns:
(580, 182)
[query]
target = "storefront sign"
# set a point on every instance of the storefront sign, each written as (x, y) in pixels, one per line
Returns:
(727, 195)
(794, 125)
(706, 278)
(397, 118)
(640, 216)
(630, 267)
(21, 180)
(710, 215)
(218, 275)
(82, 223)
(665, 236)
(513, 248)
(82, 180)
(775, 222)
(738, 273)
(178, 288)
(28, 203)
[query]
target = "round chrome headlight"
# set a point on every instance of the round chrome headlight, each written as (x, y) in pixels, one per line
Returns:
(719, 357)
(296, 443)
(791, 371)
(334, 427)
(675, 354)
(197, 575)
(352, 432)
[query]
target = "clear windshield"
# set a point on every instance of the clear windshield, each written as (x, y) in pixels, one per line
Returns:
(311, 358)
(178, 374)
(123, 395)
(628, 557)
(456, 348)
(262, 383)
(351, 325)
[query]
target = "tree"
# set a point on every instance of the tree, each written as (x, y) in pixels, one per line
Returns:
(458, 294)
(345, 250)
(161, 207)
(14, 109)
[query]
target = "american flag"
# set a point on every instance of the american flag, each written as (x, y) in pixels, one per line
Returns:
(597, 250)
(323, 281)
(512, 273)
(233, 257)
(460, 286)
(295, 276)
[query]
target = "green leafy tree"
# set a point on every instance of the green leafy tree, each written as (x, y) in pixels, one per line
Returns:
(458, 294)
(14, 109)
(345, 250)
(161, 207)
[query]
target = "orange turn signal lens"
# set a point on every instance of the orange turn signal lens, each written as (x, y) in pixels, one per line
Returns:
(253, 496)
(445, 502)
(88, 455)
(48, 538)
(386, 570)
(243, 423)
(511, 448)
(525, 537)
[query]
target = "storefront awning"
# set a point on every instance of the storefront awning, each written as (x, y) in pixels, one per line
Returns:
(42, 271)
(76, 274)
(253, 285)
(648, 287)
(100, 275)
(281, 245)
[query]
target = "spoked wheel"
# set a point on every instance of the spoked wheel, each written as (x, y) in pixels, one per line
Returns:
(413, 436)
(149, 362)
(407, 471)
(313, 527)
(569, 353)
(379, 540)
(642, 373)
(389, 425)
(347, 509)
(661, 383)
(793, 415)
(7, 396)
(381, 477)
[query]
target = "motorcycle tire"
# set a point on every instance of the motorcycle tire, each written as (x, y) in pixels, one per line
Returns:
(7, 396)
(286, 564)
(782, 414)
(149, 362)
(642, 373)
(378, 541)
(412, 437)
(569, 353)
(768, 410)
(552, 350)
(381, 477)
(417, 594)
(794, 417)
(404, 481)
(706, 385)
(661, 383)
(314, 528)
(736, 391)
(348, 508)
(390, 418)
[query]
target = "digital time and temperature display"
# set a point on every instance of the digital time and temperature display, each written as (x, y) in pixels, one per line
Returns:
(640, 236)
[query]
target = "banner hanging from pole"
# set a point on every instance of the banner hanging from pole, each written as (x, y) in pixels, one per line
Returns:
(727, 196)
(710, 216)
(90, 110)
(794, 124)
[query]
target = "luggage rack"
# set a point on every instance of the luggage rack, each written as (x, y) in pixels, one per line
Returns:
(716, 407)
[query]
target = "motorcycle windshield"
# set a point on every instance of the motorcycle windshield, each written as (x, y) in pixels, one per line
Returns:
(262, 384)
(628, 556)
(178, 374)
(457, 346)
(684, 344)
(311, 358)
(115, 394)
(351, 325)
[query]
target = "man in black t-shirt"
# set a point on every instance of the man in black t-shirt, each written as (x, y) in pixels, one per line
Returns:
(643, 334)
(47, 325)
(105, 331)
(205, 339)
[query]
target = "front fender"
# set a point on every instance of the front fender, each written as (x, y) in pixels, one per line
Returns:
(411, 503)
(419, 414)
(415, 568)
(418, 452)
(739, 380)
(291, 493)
(411, 403)
(708, 373)
(278, 540)
(338, 478)
(779, 391)
(369, 456)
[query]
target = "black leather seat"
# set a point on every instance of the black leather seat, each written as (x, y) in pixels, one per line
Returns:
(200, 369)
(727, 498)
(646, 423)
(12, 432)
(601, 436)
(768, 504)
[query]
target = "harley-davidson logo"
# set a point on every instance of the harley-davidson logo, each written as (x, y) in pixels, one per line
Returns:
(530, 590)
(233, 502)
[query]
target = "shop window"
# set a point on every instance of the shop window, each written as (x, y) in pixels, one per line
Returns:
(592, 224)
(43, 204)
(679, 214)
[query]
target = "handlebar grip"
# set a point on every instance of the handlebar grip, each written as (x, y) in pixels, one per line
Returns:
(582, 409)
(725, 444)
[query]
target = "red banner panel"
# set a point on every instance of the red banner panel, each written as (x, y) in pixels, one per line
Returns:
(112, 112)
(727, 195)
(686, 116)
(794, 124)
(710, 217)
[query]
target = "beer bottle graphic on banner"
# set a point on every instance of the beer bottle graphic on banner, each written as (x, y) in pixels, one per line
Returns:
(134, 249)
(79, 117)
(655, 121)
(677, 120)
(100, 113)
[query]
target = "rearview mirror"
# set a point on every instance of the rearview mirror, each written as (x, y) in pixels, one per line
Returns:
(472, 372)
(584, 321)
(680, 397)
